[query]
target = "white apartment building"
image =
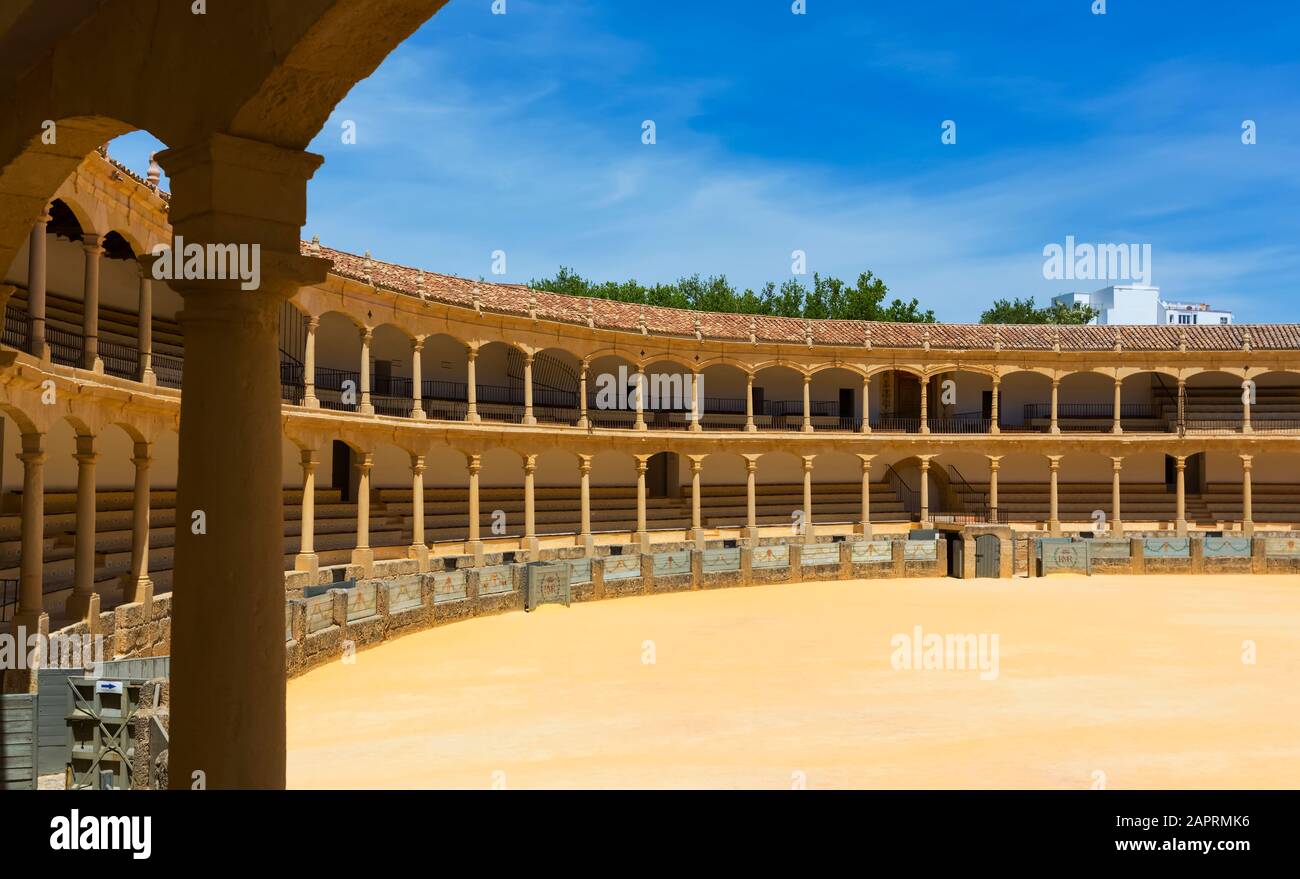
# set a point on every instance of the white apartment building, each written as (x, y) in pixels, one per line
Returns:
(1140, 304)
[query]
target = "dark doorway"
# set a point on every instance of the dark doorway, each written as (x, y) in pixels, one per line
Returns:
(986, 405)
(1194, 477)
(657, 475)
(846, 403)
(341, 470)
(908, 403)
(758, 400)
(956, 556)
(384, 378)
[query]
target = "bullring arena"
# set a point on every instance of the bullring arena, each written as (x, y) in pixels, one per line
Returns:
(1115, 504)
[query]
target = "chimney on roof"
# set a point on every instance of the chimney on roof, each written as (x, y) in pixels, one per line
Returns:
(154, 174)
(753, 331)
(532, 306)
(1119, 340)
(1245, 340)
(1182, 340)
(699, 336)
(641, 320)
(866, 337)
(591, 316)
(366, 266)
(1056, 339)
(925, 340)
(478, 303)
(997, 338)
(419, 284)
(807, 332)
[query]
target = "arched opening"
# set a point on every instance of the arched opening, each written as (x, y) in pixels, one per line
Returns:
(895, 401)
(778, 398)
(338, 362)
(1025, 401)
(391, 353)
(1213, 402)
(611, 391)
(444, 373)
(724, 388)
(835, 399)
(556, 379)
(960, 401)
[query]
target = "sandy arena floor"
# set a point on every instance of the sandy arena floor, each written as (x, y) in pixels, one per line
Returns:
(1141, 679)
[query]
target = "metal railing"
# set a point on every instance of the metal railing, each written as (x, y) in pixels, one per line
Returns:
(8, 599)
(1035, 411)
(963, 422)
(910, 497)
(119, 359)
(896, 423)
(17, 329)
(168, 369)
(65, 345)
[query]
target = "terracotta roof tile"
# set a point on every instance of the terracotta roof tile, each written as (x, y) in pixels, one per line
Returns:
(608, 314)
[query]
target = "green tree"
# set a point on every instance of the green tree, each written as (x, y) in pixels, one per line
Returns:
(1025, 311)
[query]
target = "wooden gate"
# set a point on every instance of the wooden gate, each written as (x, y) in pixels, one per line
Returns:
(18, 742)
(956, 556)
(988, 556)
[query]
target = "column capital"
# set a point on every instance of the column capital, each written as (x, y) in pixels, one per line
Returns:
(642, 462)
(866, 461)
(473, 463)
(313, 322)
(92, 243)
(365, 461)
(808, 463)
(1118, 462)
(1054, 462)
(995, 461)
(1247, 461)
(751, 463)
(309, 460)
(1180, 461)
(530, 464)
(417, 344)
(471, 352)
(367, 334)
(417, 464)
(697, 462)
(584, 463)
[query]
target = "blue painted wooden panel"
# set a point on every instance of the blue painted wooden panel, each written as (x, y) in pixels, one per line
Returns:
(1166, 547)
(622, 567)
(776, 556)
(865, 551)
(716, 561)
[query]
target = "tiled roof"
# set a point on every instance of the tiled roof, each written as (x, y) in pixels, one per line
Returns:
(607, 314)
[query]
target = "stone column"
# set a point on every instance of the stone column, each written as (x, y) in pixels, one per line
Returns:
(866, 404)
(640, 379)
(995, 416)
(697, 527)
(1245, 410)
(530, 543)
(1182, 406)
(1118, 426)
(583, 421)
(363, 555)
(136, 585)
(528, 389)
(474, 464)
(309, 398)
(807, 403)
(642, 535)
(1180, 522)
(83, 588)
(92, 244)
(1053, 517)
(418, 550)
(808, 530)
(995, 464)
(864, 527)
(750, 427)
(925, 485)
(307, 560)
(471, 387)
(1056, 394)
(1247, 513)
(144, 329)
(697, 403)
(36, 266)
(228, 683)
(366, 407)
(417, 383)
(1116, 513)
(925, 404)
(751, 504)
(32, 561)
(584, 527)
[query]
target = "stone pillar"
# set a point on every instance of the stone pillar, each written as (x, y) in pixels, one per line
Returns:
(1116, 514)
(697, 529)
(1056, 394)
(309, 398)
(366, 407)
(32, 561)
(144, 329)
(363, 555)
(92, 244)
(471, 387)
(136, 585)
(1053, 508)
(228, 683)
(36, 266)
(640, 378)
(995, 463)
(1247, 513)
(864, 526)
(1245, 410)
(750, 427)
(530, 543)
(1180, 522)
(475, 545)
(307, 560)
(1182, 406)
(925, 485)
(417, 382)
(809, 531)
(583, 421)
(528, 389)
(925, 404)
(642, 535)
(697, 402)
(418, 550)
(751, 501)
(83, 587)
(807, 403)
(866, 404)
(584, 528)
(1117, 427)
(995, 406)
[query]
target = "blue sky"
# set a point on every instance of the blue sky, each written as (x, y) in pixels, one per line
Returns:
(822, 132)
